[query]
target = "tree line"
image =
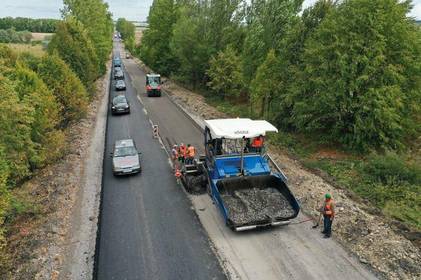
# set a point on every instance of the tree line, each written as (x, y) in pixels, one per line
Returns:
(29, 24)
(41, 96)
(127, 31)
(344, 72)
(12, 36)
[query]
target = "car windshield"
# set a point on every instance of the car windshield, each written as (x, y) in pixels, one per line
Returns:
(120, 82)
(125, 151)
(154, 80)
(119, 100)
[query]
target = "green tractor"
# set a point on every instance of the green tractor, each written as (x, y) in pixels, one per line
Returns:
(153, 85)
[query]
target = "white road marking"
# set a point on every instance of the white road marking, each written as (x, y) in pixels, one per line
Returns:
(144, 111)
(140, 99)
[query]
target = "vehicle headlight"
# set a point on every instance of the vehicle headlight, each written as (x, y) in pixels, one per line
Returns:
(113, 107)
(126, 106)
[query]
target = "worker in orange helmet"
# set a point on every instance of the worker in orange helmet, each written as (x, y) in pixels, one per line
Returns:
(191, 153)
(328, 215)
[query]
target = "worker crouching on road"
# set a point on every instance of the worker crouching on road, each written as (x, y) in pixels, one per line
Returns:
(182, 153)
(177, 175)
(328, 215)
(191, 153)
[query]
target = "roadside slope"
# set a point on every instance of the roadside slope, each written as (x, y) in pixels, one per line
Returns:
(43, 244)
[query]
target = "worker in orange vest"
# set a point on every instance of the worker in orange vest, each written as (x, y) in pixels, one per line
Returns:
(328, 215)
(182, 152)
(177, 175)
(257, 144)
(191, 153)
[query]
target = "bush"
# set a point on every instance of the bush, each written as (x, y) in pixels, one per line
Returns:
(392, 169)
(4, 205)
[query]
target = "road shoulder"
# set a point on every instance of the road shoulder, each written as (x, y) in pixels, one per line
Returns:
(79, 260)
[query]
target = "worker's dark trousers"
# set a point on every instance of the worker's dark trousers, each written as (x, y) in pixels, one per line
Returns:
(327, 225)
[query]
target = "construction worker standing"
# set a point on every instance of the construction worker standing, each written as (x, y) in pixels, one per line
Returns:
(191, 153)
(174, 153)
(328, 215)
(182, 152)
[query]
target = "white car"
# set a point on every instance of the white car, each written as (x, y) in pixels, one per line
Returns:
(126, 158)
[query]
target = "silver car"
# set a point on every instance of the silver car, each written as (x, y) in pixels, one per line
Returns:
(120, 85)
(126, 158)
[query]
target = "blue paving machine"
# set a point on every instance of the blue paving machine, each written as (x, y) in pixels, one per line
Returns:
(237, 175)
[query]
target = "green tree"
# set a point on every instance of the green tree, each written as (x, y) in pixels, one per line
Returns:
(33, 92)
(16, 119)
(268, 24)
(290, 58)
(97, 20)
(226, 78)
(72, 44)
(361, 78)
(155, 48)
(189, 47)
(223, 20)
(127, 31)
(266, 85)
(66, 87)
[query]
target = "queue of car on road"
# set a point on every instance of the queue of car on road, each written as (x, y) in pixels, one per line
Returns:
(125, 155)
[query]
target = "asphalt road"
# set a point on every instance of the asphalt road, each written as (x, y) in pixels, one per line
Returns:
(148, 228)
(291, 252)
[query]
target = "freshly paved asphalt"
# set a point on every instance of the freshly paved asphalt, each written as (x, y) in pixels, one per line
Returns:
(148, 229)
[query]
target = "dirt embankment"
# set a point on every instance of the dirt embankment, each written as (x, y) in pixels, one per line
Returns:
(40, 245)
(357, 226)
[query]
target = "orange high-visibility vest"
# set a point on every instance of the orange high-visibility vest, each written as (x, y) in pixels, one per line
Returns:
(183, 151)
(191, 151)
(257, 142)
(327, 209)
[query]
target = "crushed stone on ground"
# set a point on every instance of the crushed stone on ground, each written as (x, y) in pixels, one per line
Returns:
(255, 204)
(371, 237)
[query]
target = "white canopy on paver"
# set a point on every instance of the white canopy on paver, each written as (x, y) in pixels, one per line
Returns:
(238, 128)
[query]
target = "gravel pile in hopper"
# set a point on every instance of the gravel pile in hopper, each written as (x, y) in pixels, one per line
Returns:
(254, 204)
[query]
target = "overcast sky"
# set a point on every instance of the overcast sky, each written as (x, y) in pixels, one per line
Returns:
(130, 9)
